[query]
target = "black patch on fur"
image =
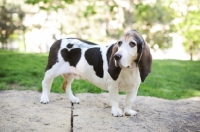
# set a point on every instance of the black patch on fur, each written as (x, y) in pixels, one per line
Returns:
(112, 69)
(84, 41)
(70, 46)
(53, 53)
(94, 58)
(72, 56)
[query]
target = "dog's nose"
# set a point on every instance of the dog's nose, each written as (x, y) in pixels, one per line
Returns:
(117, 57)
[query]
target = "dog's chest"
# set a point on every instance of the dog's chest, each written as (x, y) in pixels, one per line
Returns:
(129, 79)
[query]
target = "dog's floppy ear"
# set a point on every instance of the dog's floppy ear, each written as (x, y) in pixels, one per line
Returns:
(144, 59)
(145, 62)
(113, 70)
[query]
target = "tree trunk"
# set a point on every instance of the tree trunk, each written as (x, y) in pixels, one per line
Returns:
(191, 50)
(24, 40)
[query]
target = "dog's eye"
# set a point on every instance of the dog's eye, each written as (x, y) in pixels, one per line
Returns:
(132, 44)
(119, 43)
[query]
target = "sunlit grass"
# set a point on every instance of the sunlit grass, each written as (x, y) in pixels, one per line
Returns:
(170, 79)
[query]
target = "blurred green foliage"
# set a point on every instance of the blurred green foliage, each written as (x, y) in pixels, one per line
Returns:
(189, 27)
(102, 20)
(11, 21)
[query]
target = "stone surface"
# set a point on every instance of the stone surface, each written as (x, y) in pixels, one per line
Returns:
(154, 115)
(21, 111)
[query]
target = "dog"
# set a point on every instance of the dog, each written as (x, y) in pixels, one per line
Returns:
(121, 66)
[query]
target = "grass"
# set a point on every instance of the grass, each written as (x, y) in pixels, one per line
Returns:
(170, 79)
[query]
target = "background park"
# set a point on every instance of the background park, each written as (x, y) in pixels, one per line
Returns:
(170, 27)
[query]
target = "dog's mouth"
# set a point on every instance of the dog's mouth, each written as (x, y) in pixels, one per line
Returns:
(118, 64)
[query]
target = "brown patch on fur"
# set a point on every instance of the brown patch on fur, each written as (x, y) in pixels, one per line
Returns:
(132, 33)
(145, 63)
(114, 50)
(133, 60)
(64, 82)
(128, 37)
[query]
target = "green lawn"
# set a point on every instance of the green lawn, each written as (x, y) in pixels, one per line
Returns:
(170, 79)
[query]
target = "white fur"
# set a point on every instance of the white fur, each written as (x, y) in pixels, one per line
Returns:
(128, 80)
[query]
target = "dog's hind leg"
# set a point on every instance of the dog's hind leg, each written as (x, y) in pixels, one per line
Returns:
(57, 70)
(68, 79)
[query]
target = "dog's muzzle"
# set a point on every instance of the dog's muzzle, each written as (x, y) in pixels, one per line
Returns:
(117, 58)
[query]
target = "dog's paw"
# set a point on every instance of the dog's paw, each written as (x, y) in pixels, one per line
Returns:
(44, 99)
(130, 113)
(75, 100)
(117, 112)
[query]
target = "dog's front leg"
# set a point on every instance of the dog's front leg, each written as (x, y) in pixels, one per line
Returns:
(114, 100)
(130, 98)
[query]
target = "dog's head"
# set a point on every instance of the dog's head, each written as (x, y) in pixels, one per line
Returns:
(131, 50)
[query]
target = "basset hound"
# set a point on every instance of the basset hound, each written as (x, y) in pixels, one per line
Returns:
(118, 67)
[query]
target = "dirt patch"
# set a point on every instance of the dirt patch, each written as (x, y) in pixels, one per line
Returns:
(21, 111)
(154, 115)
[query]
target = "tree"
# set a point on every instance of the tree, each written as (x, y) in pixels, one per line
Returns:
(11, 21)
(118, 17)
(155, 22)
(188, 25)
(50, 4)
